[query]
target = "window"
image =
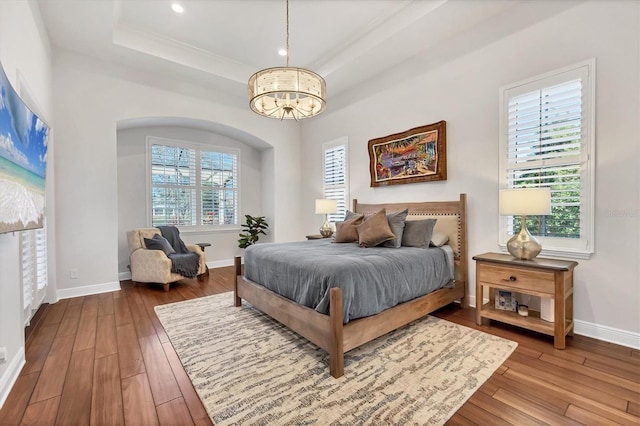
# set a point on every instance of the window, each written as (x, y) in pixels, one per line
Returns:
(336, 177)
(34, 269)
(193, 186)
(547, 140)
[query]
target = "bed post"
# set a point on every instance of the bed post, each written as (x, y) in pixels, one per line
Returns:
(464, 257)
(237, 262)
(336, 352)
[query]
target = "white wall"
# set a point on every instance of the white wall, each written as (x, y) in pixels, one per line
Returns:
(90, 98)
(132, 189)
(26, 58)
(464, 92)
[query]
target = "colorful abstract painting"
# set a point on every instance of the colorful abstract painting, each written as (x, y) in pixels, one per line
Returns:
(417, 155)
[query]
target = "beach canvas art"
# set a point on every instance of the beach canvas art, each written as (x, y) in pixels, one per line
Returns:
(23, 160)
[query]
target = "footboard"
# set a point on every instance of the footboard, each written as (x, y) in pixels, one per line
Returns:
(326, 331)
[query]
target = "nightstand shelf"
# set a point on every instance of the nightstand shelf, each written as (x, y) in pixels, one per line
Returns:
(532, 322)
(538, 277)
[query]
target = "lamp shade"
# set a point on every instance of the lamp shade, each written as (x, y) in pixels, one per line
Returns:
(525, 201)
(324, 206)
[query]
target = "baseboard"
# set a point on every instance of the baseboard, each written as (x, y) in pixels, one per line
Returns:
(600, 332)
(608, 334)
(10, 375)
(220, 263)
(67, 293)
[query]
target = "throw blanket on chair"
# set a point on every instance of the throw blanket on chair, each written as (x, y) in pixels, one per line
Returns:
(183, 261)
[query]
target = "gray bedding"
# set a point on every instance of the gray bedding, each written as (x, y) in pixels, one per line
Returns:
(372, 279)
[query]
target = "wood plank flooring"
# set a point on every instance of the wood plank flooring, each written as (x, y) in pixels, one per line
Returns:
(105, 359)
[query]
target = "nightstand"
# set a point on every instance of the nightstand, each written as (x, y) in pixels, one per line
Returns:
(546, 278)
(315, 237)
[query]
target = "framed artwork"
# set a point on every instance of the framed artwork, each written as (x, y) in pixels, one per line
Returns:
(416, 155)
(23, 160)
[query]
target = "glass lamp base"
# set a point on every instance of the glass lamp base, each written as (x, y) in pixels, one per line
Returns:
(326, 230)
(524, 246)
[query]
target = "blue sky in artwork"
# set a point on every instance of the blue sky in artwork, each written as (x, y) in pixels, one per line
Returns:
(23, 136)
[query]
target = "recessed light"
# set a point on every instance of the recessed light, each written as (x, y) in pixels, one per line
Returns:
(282, 52)
(177, 8)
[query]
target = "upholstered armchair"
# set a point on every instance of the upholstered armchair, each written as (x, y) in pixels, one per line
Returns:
(153, 266)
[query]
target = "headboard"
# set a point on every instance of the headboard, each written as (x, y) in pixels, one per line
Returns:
(451, 219)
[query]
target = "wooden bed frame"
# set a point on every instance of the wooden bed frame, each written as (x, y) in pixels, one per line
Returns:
(328, 331)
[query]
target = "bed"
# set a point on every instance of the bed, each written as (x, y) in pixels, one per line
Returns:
(334, 331)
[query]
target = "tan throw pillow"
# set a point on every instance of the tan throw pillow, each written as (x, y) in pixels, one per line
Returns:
(346, 232)
(438, 239)
(374, 230)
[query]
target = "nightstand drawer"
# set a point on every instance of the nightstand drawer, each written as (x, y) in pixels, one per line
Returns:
(530, 280)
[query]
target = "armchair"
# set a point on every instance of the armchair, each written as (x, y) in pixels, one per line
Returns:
(153, 266)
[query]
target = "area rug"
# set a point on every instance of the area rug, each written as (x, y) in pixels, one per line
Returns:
(249, 369)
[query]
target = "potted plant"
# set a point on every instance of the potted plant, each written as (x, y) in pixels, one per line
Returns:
(251, 230)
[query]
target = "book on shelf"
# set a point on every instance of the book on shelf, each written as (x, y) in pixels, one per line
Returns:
(506, 300)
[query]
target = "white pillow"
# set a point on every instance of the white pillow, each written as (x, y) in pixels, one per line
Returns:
(439, 239)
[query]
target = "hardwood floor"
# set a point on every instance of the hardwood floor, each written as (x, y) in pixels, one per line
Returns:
(105, 359)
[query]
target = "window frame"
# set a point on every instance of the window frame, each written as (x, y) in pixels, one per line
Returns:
(199, 148)
(339, 215)
(583, 247)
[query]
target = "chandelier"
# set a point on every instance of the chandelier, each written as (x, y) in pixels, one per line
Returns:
(287, 92)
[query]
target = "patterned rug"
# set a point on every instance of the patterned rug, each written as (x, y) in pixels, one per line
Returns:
(250, 370)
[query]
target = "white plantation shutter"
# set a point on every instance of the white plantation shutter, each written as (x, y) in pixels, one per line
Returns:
(219, 186)
(173, 185)
(34, 268)
(546, 141)
(29, 268)
(335, 181)
(193, 186)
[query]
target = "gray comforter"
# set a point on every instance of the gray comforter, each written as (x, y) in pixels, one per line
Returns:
(371, 279)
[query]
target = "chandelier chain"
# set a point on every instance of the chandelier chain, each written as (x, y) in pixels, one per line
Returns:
(287, 92)
(287, 33)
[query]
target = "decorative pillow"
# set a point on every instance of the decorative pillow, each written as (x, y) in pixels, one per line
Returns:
(396, 223)
(438, 239)
(158, 242)
(417, 233)
(347, 232)
(374, 230)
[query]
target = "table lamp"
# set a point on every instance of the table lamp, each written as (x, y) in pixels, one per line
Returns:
(324, 206)
(524, 201)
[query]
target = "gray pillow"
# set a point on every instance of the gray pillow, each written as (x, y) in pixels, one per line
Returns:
(158, 242)
(396, 223)
(351, 215)
(417, 233)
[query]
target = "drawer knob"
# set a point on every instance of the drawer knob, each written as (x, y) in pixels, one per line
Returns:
(512, 278)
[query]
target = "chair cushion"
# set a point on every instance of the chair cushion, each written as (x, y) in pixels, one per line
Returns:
(158, 242)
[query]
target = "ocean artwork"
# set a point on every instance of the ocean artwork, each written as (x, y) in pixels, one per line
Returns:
(23, 161)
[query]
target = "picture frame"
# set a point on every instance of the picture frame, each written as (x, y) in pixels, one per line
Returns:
(505, 300)
(415, 155)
